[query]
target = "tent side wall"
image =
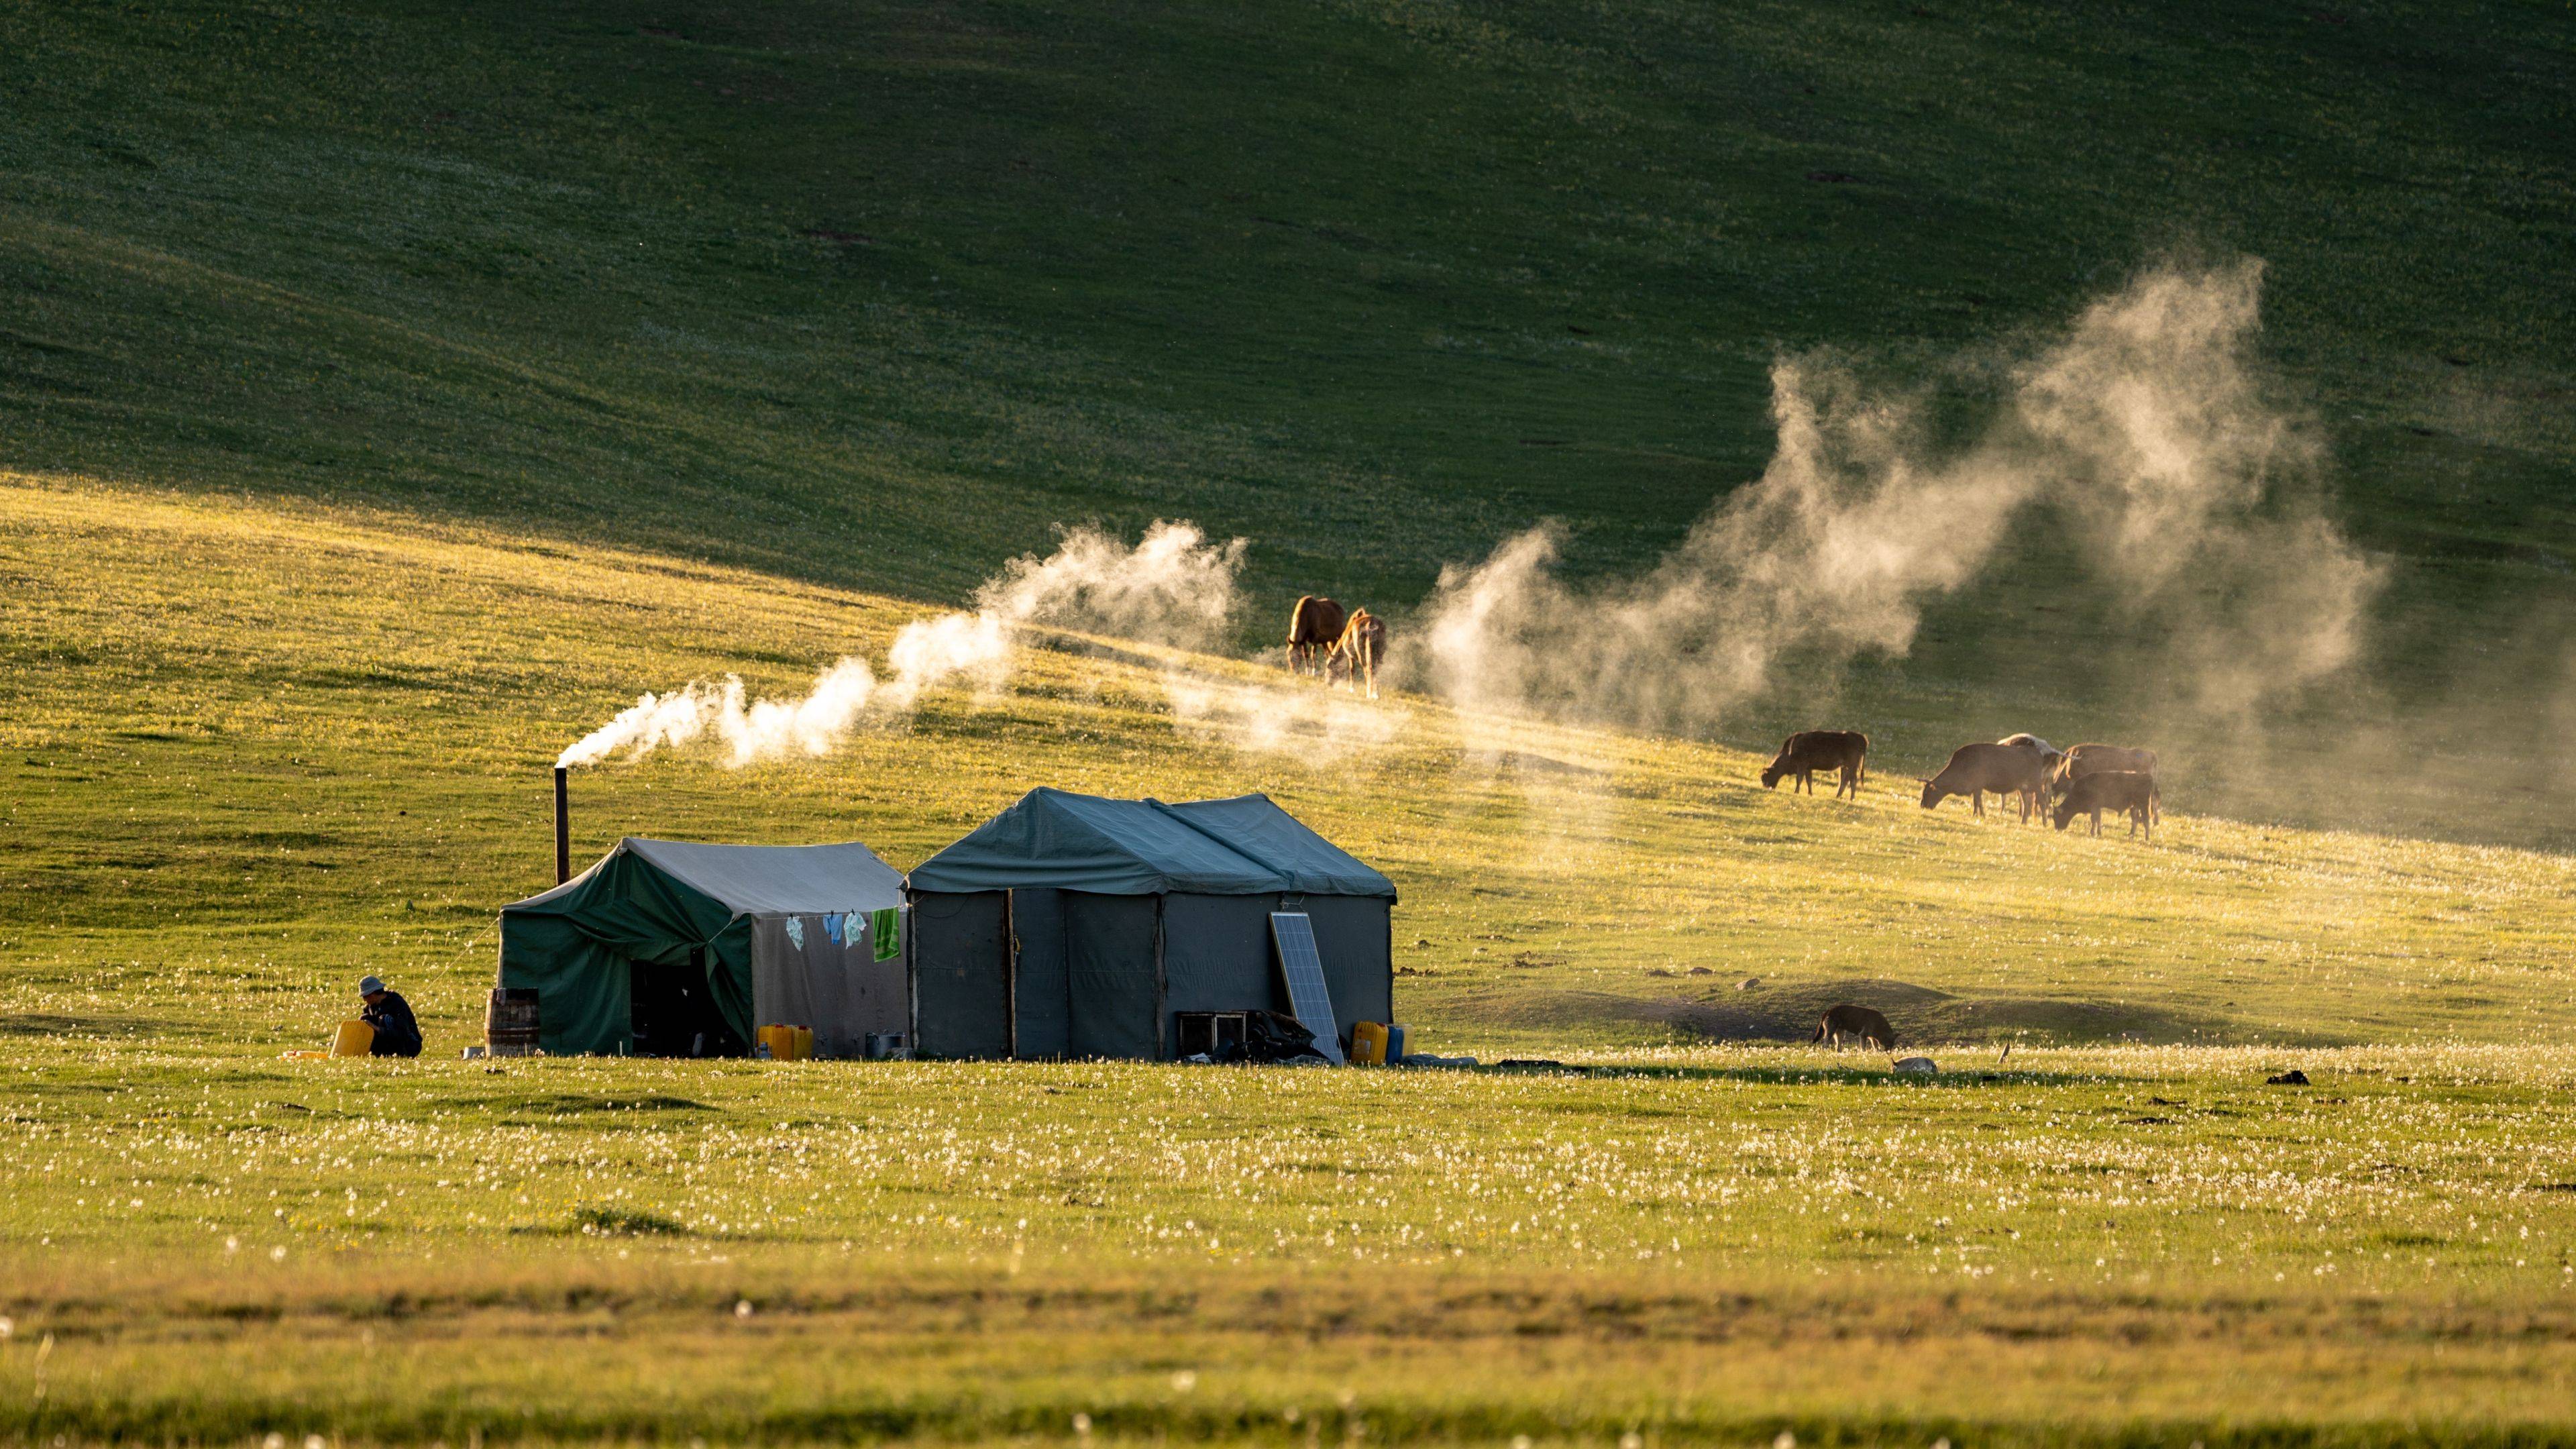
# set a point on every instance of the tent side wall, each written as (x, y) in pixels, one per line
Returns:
(583, 1000)
(1217, 957)
(1041, 992)
(1353, 934)
(961, 952)
(1112, 975)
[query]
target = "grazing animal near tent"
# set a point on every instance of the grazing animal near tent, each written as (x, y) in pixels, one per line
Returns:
(2132, 791)
(1355, 656)
(1313, 627)
(1975, 769)
(1868, 1026)
(2088, 759)
(1804, 753)
(2037, 802)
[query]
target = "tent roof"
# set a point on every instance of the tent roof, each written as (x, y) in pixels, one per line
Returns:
(763, 880)
(1243, 846)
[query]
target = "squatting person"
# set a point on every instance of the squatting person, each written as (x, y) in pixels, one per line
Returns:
(397, 1030)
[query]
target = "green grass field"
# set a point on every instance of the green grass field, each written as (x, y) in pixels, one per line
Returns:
(389, 393)
(260, 749)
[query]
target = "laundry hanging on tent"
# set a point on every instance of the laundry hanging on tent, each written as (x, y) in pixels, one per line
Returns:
(889, 933)
(834, 924)
(663, 942)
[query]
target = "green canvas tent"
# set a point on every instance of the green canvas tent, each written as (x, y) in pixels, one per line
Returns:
(1071, 925)
(669, 948)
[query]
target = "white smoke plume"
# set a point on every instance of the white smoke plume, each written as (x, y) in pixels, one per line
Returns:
(930, 652)
(811, 724)
(1173, 588)
(2145, 425)
(656, 721)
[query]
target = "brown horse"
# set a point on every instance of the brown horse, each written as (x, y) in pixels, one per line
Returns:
(1356, 655)
(1313, 627)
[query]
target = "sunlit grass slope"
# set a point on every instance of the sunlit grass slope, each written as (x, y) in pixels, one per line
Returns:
(877, 293)
(2120, 1246)
(257, 750)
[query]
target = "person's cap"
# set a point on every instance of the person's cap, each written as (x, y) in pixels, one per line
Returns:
(370, 986)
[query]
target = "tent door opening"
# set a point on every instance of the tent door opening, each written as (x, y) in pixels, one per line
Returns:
(674, 1011)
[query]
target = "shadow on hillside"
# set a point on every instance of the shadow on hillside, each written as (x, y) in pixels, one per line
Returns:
(551, 1108)
(41, 1023)
(1789, 1013)
(1870, 1071)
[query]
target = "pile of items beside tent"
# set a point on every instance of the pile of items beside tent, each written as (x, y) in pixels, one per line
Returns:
(1066, 926)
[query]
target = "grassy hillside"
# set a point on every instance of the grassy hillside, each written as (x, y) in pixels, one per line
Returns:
(874, 295)
(258, 750)
(390, 391)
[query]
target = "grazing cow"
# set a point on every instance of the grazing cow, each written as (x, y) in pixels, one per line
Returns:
(1355, 656)
(1313, 626)
(2036, 803)
(2092, 759)
(2132, 791)
(1808, 751)
(2051, 753)
(1856, 1021)
(1975, 769)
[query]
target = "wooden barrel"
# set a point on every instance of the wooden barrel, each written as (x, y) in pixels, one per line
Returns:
(510, 1022)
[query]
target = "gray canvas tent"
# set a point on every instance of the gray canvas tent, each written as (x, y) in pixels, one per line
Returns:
(1070, 925)
(666, 948)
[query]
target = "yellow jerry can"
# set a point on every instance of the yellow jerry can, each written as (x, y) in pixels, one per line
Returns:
(1368, 1044)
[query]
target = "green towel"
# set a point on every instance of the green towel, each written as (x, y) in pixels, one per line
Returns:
(889, 932)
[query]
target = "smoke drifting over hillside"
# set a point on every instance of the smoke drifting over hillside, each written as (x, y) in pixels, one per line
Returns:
(2144, 426)
(2142, 432)
(1173, 587)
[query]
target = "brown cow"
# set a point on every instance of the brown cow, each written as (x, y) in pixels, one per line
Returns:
(1808, 751)
(2133, 791)
(1856, 1021)
(2036, 803)
(1975, 769)
(1356, 655)
(2093, 759)
(1313, 626)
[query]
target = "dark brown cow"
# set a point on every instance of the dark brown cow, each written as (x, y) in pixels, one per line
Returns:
(1856, 1021)
(1356, 655)
(2085, 760)
(1975, 769)
(1313, 627)
(1808, 751)
(2132, 791)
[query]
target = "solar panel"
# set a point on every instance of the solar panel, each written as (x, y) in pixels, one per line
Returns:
(1294, 932)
